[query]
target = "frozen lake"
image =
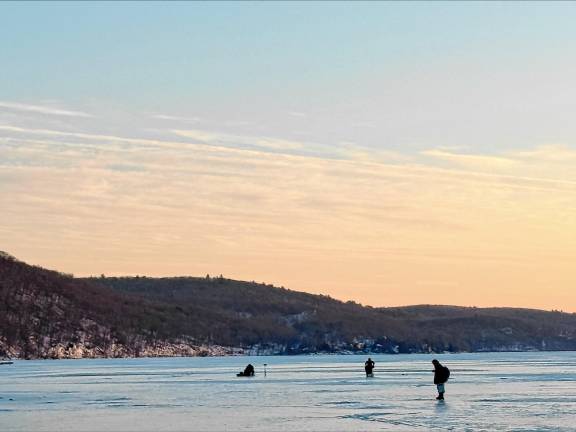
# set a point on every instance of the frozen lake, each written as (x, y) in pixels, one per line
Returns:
(504, 391)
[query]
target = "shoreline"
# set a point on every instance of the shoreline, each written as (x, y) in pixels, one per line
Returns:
(11, 360)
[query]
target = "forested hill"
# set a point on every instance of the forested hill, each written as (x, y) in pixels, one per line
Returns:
(44, 314)
(303, 322)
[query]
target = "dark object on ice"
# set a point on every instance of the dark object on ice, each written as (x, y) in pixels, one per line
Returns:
(441, 375)
(369, 367)
(248, 371)
(6, 362)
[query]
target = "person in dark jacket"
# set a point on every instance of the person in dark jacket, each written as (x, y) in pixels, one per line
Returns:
(441, 375)
(369, 367)
(248, 371)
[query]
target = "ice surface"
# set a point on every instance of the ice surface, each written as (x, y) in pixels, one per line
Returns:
(503, 391)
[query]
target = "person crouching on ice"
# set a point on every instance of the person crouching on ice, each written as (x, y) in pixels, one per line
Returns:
(441, 375)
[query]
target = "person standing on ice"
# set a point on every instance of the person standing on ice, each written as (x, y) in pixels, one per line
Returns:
(368, 367)
(441, 375)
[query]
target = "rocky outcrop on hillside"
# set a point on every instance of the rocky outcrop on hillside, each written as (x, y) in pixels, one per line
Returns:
(44, 314)
(59, 350)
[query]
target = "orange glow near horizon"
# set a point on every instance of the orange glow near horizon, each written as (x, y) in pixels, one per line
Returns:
(437, 227)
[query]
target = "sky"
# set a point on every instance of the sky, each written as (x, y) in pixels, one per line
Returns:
(386, 153)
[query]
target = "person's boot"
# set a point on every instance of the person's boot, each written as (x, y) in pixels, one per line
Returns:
(440, 396)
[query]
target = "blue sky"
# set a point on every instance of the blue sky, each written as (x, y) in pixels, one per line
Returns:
(469, 73)
(328, 147)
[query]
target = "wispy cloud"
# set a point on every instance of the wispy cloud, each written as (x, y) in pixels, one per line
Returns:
(176, 118)
(475, 161)
(207, 144)
(354, 151)
(555, 153)
(42, 109)
(231, 139)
